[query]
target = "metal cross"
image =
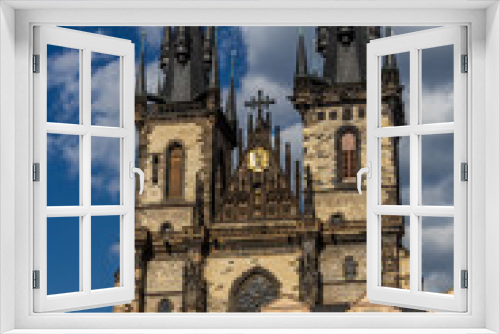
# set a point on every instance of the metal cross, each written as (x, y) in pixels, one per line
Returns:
(260, 102)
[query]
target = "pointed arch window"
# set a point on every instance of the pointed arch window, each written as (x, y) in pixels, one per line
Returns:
(349, 268)
(175, 171)
(349, 156)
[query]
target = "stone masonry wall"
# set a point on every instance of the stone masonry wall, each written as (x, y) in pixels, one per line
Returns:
(222, 270)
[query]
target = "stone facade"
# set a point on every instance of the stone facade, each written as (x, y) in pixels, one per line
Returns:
(240, 238)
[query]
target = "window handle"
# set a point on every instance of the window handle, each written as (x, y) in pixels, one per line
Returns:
(138, 171)
(368, 171)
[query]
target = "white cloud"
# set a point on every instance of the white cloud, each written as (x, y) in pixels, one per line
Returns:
(437, 103)
(114, 249)
(438, 282)
(106, 94)
(63, 74)
(154, 36)
(152, 71)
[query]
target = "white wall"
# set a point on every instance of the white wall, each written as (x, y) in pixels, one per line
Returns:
(7, 115)
(492, 148)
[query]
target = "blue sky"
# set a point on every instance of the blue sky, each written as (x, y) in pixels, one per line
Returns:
(265, 58)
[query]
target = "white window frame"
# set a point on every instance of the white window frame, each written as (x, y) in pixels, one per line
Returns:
(85, 43)
(484, 212)
(414, 43)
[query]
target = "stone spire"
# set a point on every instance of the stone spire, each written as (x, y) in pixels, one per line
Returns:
(344, 52)
(140, 86)
(165, 60)
(231, 98)
(390, 60)
(301, 61)
(214, 70)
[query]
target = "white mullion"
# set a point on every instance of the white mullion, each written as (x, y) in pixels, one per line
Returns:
(419, 129)
(414, 169)
(87, 169)
(433, 211)
(433, 128)
(80, 211)
(86, 250)
(392, 210)
(392, 131)
(82, 258)
(107, 131)
(81, 130)
(108, 210)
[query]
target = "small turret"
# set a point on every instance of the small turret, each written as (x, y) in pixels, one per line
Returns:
(165, 61)
(231, 98)
(140, 86)
(390, 60)
(301, 61)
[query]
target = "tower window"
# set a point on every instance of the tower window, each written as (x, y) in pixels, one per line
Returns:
(349, 163)
(164, 306)
(336, 219)
(361, 112)
(175, 171)
(349, 268)
(333, 115)
(166, 227)
(321, 116)
(347, 114)
(155, 161)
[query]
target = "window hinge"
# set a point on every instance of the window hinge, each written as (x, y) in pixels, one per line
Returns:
(36, 172)
(464, 171)
(36, 279)
(465, 63)
(465, 279)
(36, 63)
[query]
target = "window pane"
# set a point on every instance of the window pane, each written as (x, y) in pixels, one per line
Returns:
(437, 84)
(105, 251)
(437, 169)
(63, 255)
(63, 170)
(395, 171)
(105, 171)
(105, 89)
(63, 85)
(437, 254)
(395, 88)
(395, 252)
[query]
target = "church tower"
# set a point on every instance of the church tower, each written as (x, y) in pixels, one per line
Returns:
(333, 110)
(185, 144)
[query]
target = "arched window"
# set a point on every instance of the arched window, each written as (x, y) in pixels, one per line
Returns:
(175, 171)
(165, 306)
(350, 268)
(254, 289)
(349, 156)
(155, 162)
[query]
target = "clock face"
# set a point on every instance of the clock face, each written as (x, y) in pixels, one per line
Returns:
(258, 159)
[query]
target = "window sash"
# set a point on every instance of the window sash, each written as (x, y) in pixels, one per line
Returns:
(86, 43)
(413, 43)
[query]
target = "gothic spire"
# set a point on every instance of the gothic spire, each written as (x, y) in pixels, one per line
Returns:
(214, 71)
(390, 60)
(165, 55)
(140, 87)
(231, 99)
(301, 61)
